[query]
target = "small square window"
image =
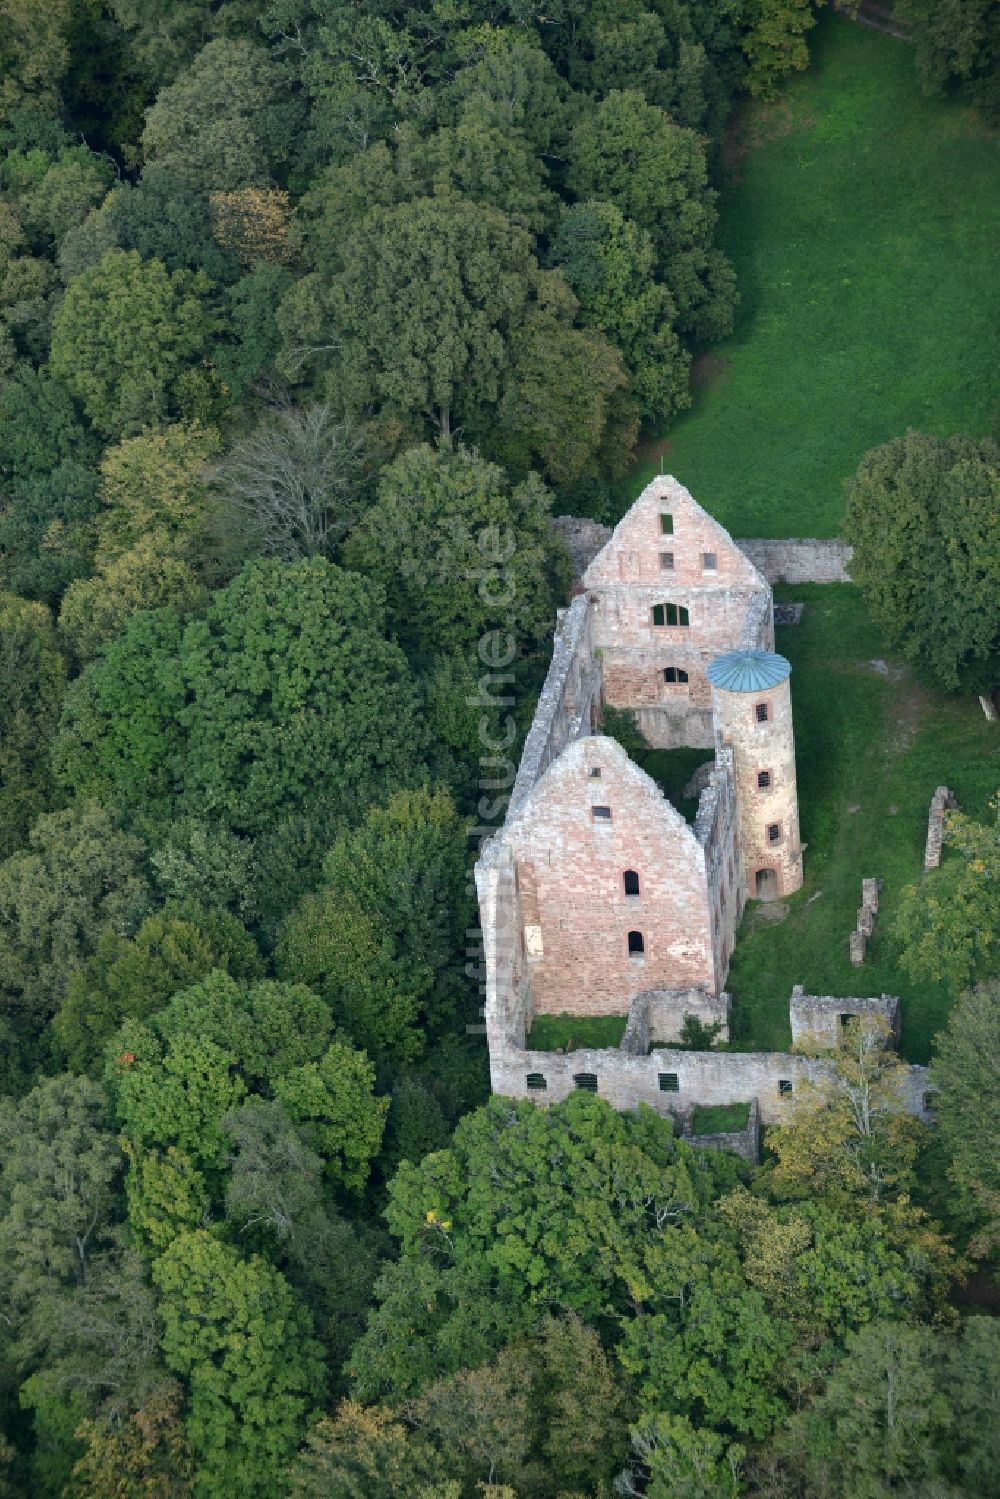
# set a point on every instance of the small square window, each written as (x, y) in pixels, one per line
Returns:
(669, 1082)
(536, 1082)
(666, 562)
(774, 832)
(762, 712)
(674, 674)
(666, 523)
(601, 814)
(595, 772)
(784, 1087)
(709, 562)
(763, 780)
(586, 1080)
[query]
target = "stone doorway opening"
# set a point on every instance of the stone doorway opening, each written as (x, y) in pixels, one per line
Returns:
(766, 884)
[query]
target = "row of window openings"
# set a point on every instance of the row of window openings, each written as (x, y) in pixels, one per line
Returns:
(669, 1083)
(709, 562)
(603, 814)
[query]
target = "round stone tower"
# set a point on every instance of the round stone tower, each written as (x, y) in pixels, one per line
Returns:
(752, 709)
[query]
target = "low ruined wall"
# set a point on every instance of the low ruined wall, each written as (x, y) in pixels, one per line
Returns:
(658, 1015)
(566, 702)
(703, 1077)
(799, 561)
(816, 1018)
(941, 802)
(582, 537)
(745, 1142)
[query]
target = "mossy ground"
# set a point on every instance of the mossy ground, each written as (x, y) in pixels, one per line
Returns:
(574, 1032)
(871, 745)
(720, 1118)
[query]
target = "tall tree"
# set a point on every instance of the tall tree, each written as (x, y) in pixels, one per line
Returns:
(260, 710)
(461, 552)
(966, 1102)
(221, 125)
(923, 514)
(80, 876)
(296, 485)
(632, 153)
(129, 339)
(32, 682)
(235, 1333)
(949, 925)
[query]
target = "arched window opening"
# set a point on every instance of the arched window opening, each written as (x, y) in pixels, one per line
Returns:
(636, 946)
(670, 616)
(585, 1080)
(631, 880)
(536, 1082)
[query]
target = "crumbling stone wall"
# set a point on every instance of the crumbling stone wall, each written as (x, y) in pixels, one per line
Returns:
(941, 802)
(568, 702)
(745, 1142)
(658, 1015)
(818, 1019)
(701, 1077)
(583, 539)
(708, 577)
(795, 561)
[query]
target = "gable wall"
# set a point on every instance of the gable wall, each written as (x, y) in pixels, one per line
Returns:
(570, 888)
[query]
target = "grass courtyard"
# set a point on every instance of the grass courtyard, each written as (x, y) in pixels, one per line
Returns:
(864, 223)
(871, 745)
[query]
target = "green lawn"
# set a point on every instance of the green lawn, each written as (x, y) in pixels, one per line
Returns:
(863, 220)
(720, 1118)
(573, 1032)
(870, 750)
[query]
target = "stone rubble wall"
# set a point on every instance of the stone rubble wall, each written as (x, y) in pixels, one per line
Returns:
(657, 1015)
(864, 928)
(942, 801)
(745, 1142)
(583, 538)
(568, 702)
(703, 1077)
(799, 561)
(816, 1018)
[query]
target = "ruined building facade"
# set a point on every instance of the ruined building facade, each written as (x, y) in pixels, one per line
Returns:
(596, 896)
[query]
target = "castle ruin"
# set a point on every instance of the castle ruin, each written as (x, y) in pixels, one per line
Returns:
(596, 896)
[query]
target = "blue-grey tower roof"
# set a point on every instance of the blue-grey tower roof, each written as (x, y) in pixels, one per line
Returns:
(748, 671)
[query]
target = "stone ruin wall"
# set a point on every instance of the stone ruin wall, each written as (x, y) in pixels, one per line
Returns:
(744, 1142)
(793, 561)
(942, 801)
(569, 702)
(702, 1077)
(817, 1019)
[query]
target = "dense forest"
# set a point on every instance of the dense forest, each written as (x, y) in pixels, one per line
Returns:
(310, 313)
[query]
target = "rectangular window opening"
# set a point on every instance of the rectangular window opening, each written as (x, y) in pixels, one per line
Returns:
(586, 1080)
(666, 524)
(669, 1082)
(601, 814)
(764, 780)
(536, 1082)
(674, 675)
(666, 562)
(709, 562)
(774, 832)
(595, 772)
(784, 1087)
(762, 712)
